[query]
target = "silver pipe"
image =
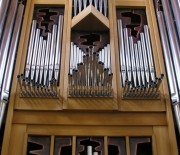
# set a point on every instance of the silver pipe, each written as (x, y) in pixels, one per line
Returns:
(149, 52)
(30, 48)
(137, 64)
(144, 52)
(105, 57)
(34, 54)
(109, 58)
(42, 61)
(141, 63)
(80, 5)
(6, 40)
(176, 12)
(121, 52)
(75, 57)
(100, 5)
(128, 61)
(174, 44)
(39, 59)
(75, 7)
(52, 52)
(168, 58)
(133, 62)
(46, 64)
(58, 47)
(71, 58)
(105, 8)
(12, 54)
(2, 111)
(90, 2)
(176, 108)
(3, 12)
(96, 3)
(84, 3)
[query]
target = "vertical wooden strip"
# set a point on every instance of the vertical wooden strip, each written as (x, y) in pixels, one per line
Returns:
(24, 151)
(8, 126)
(162, 140)
(17, 139)
(154, 145)
(105, 145)
(118, 76)
(74, 145)
(113, 55)
(52, 145)
(127, 146)
(63, 51)
(68, 39)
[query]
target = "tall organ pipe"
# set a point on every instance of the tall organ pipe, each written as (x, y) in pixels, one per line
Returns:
(176, 12)
(10, 62)
(3, 10)
(58, 47)
(6, 40)
(169, 67)
(175, 47)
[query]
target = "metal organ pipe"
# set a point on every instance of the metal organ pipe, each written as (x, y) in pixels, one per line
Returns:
(3, 11)
(10, 62)
(52, 52)
(174, 91)
(58, 47)
(176, 12)
(149, 52)
(6, 40)
(135, 59)
(173, 40)
(121, 52)
(30, 49)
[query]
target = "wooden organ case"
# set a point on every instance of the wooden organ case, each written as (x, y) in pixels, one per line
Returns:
(80, 88)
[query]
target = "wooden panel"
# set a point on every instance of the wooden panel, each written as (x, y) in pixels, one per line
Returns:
(142, 105)
(162, 141)
(88, 118)
(130, 3)
(38, 104)
(49, 1)
(89, 130)
(90, 104)
(85, 20)
(17, 139)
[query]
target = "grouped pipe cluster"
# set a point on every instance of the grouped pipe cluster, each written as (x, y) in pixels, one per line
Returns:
(43, 62)
(101, 5)
(137, 66)
(169, 28)
(9, 36)
(90, 72)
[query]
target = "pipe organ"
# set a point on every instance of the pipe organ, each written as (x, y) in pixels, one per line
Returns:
(169, 32)
(89, 77)
(41, 75)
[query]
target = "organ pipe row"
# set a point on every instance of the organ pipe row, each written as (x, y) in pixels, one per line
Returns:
(101, 5)
(169, 28)
(90, 72)
(43, 62)
(8, 47)
(137, 66)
